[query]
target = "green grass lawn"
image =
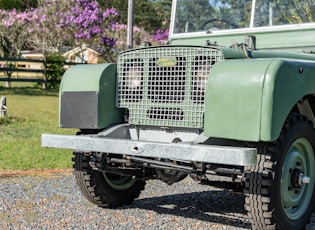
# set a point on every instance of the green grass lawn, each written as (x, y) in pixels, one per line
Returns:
(31, 112)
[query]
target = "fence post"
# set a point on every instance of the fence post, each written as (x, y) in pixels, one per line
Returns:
(44, 74)
(8, 83)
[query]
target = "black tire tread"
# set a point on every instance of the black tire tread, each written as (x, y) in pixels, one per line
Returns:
(96, 190)
(258, 179)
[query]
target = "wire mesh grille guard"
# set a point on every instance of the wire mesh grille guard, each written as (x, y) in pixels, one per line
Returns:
(165, 86)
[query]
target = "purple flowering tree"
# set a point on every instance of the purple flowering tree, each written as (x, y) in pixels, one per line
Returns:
(45, 32)
(14, 31)
(89, 25)
(74, 23)
(160, 37)
(13, 35)
(139, 35)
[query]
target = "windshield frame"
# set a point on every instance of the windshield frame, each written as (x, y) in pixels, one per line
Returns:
(250, 29)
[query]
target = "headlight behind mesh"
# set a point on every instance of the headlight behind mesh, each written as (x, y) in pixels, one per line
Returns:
(133, 77)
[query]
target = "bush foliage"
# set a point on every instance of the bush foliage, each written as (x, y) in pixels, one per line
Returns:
(54, 69)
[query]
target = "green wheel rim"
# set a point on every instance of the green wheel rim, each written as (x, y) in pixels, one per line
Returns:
(296, 197)
(119, 182)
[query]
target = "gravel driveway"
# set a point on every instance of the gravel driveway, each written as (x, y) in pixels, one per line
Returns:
(53, 201)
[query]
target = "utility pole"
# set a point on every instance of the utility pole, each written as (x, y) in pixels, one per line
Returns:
(130, 24)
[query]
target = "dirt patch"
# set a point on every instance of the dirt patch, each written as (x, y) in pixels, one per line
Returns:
(33, 172)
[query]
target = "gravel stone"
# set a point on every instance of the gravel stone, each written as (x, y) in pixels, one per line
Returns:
(53, 201)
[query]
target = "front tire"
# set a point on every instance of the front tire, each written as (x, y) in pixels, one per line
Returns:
(279, 190)
(104, 189)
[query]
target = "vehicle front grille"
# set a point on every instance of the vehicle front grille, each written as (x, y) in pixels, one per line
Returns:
(165, 86)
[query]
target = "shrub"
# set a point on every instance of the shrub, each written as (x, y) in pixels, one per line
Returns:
(54, 69)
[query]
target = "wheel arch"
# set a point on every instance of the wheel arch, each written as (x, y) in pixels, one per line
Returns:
(289, 84)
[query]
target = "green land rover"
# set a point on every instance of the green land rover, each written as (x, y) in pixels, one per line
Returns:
(229, 101)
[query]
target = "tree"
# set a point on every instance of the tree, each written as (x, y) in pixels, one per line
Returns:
(13, 35)
(14, 32)
(191, 15)
(268, 13)
(11, 4)
(29, 4)
(89, 25)
(163, 10)
(77, 23)
(292, 12)
(149, 14)
(17, 4)
(45, 30)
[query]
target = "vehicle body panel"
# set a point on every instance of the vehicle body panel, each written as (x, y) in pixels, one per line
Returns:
(258, 96)
(87, 97)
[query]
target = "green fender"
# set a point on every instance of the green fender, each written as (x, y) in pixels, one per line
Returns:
(250, 99)
(87, 97)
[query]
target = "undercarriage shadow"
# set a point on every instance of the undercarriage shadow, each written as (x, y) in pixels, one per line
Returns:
(211, 206)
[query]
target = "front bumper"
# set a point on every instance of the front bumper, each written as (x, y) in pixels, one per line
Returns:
(181, 151)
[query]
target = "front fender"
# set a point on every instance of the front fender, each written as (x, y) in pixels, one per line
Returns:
(87, 97)
(249, 100)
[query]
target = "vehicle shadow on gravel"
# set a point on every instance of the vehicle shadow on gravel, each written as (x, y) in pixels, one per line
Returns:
(222, 207)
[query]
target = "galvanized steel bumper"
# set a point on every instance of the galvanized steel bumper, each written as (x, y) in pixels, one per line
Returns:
(176, 151)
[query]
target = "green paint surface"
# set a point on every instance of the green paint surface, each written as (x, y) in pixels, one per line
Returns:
(250, 99)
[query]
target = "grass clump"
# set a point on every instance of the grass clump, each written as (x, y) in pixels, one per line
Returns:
(5, 121)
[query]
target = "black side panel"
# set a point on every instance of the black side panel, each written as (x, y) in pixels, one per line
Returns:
(79, 110)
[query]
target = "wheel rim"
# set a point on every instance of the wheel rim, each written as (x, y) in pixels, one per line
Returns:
(297, 179)
(119, 182)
